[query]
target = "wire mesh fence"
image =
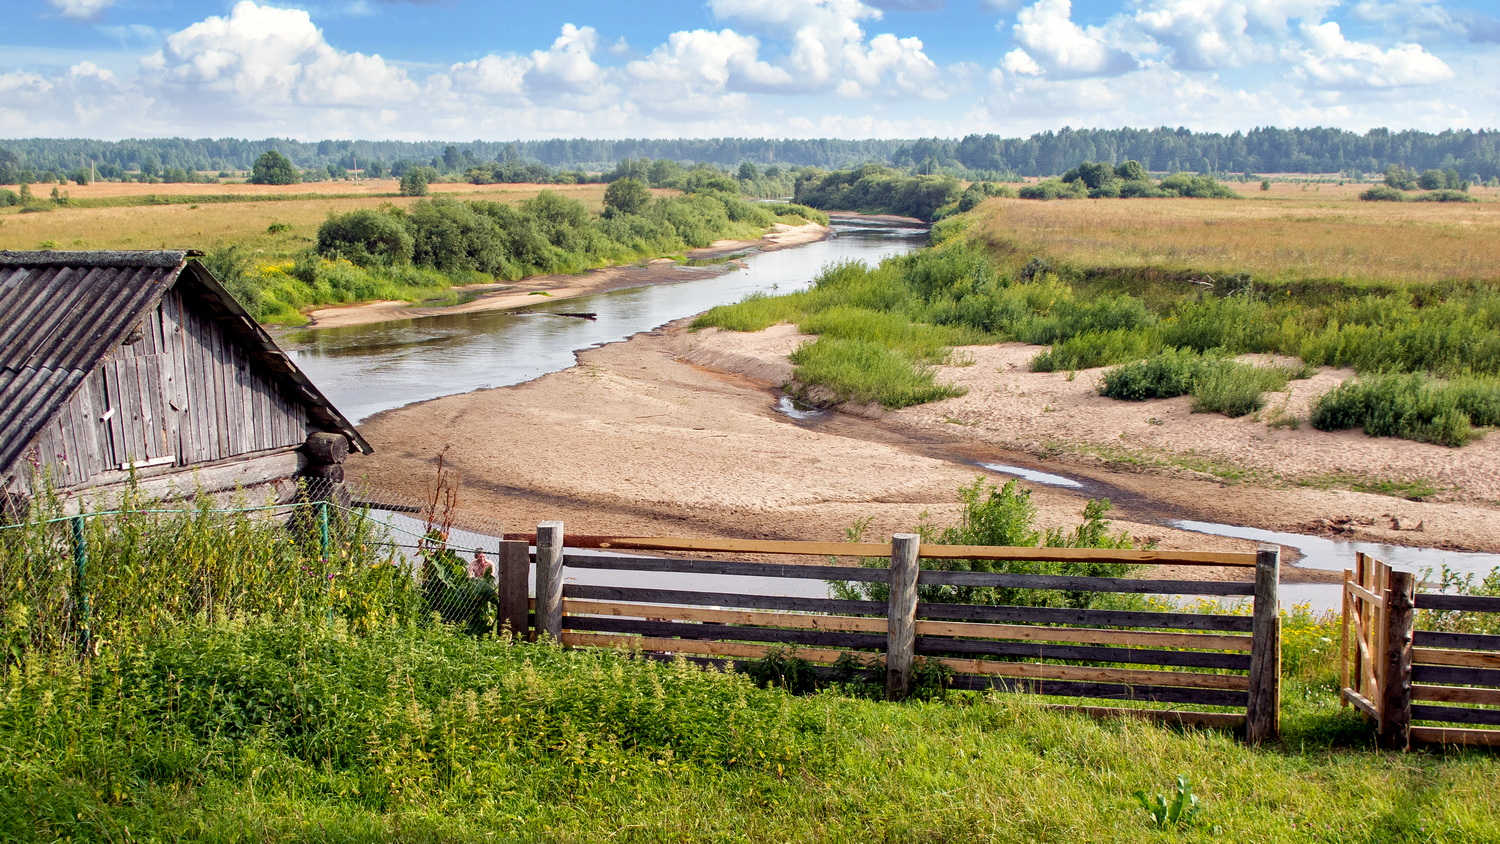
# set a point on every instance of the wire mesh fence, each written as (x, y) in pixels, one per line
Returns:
(87, 577)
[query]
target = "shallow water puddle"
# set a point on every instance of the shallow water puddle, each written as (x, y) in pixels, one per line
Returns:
(1033, 475)
(797, 411)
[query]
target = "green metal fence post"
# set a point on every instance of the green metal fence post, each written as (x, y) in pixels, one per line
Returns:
(80, 582)
(324, 545)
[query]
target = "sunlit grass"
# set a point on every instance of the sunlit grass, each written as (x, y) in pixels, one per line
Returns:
(1293, 236)
(210, 226)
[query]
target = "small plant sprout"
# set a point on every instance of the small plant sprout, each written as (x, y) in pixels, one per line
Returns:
(1181, 811)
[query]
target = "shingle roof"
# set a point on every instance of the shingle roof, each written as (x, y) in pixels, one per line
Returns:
(61, 312)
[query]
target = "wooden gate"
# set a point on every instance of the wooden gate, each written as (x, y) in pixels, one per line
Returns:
(1395, 673)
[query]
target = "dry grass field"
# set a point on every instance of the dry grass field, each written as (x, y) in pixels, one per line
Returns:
(213, 224)
(1287, 233)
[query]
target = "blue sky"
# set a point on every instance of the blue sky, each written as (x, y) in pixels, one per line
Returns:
(464, 69)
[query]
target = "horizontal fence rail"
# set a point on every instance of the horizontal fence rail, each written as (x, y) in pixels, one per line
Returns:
(1396, 674)
(1157, 661)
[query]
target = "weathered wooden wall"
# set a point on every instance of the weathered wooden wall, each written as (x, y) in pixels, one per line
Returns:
(184, 390)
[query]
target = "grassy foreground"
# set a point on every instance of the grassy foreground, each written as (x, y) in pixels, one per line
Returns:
(250, 732)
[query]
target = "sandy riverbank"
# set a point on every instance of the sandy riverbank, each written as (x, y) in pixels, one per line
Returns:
(554, 288)
(675, 433)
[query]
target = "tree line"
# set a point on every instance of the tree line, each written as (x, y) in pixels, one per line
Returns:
(1474, 155)
(1261, 150)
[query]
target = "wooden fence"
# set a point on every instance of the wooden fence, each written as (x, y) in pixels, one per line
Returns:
(1158, 658)
(1396, 674)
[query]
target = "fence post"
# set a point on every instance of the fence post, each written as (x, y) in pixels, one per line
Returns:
(325, 546)
(1263, 711)
(81, 583)
(1395, 691)
(901, 616)
(549, 563)
(511, 570)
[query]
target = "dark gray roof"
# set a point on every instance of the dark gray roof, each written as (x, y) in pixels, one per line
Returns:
(61, 312)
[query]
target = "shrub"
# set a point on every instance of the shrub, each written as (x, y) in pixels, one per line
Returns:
(1167, 375)
(1236, 389)
(1006, 516)
(1232, 323)
(365, 237)
(1412, 407)
(1055, 189)
(1096, 348)
(414, 181)
(1444, 196)
(1383, 193)
(1200, 187)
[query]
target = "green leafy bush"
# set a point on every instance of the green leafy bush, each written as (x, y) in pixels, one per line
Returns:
(366, 237)
(1411, 407)
(1167, 375)
(1383, 193)
(1006, 516)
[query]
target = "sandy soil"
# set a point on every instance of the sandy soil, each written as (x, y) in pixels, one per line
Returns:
(675, 433)
(554, 288)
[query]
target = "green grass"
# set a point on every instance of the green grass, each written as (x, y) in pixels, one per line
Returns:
(210, 199)
(865, 371)
(295, 707)
(246, 732)
(917, 306)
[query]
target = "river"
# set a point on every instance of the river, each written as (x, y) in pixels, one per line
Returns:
(365, 369)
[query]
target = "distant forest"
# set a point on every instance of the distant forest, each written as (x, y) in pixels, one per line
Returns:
(1268, 150)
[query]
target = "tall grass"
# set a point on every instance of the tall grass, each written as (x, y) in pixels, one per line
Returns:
(149, 567)
(865, 371)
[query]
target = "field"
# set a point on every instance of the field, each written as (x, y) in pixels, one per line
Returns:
(215, 222)
(1285, 234)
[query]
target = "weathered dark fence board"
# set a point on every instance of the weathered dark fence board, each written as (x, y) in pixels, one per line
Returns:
(1453, 676)
(666, 564)
(831, 606)
(1089, 618)
(1465, 641)
(1459, 603)
(1065, 583)
(1108, 691)
(723, 632)
(1455, 714)
(1090, 653)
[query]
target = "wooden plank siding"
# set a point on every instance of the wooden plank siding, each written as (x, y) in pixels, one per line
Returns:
(184, 390)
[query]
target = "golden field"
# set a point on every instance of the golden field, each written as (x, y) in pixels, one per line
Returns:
(1287, 233)
(213, 224)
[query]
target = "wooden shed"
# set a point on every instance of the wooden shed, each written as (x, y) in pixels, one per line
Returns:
(115, 364)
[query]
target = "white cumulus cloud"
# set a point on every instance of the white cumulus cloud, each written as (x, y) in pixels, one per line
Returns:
(267, 56)
(1206, 34)
(1332, 61)
(1050, 42)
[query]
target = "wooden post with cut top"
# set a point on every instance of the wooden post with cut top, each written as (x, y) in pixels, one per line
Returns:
(549, 579)
(1263, 711)
(512, 576)
(901, 617)
(1395, 690)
